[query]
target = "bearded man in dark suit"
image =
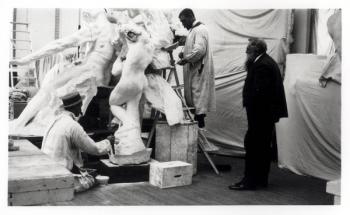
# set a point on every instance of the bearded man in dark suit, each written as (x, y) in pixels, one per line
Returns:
(265, 103)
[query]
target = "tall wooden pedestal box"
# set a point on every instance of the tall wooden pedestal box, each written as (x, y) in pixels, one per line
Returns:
(177, 143)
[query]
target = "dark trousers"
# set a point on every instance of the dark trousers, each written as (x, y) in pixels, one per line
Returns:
(257, 144)
(199, 118)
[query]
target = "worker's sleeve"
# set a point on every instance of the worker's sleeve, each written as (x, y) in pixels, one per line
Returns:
(199, 48)
(81, 140)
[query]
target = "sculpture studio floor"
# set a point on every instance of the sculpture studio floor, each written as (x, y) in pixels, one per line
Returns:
(207, 188)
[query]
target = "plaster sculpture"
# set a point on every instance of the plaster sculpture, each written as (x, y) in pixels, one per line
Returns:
(141, 39)
(129, 89)
(93, 71)
(124, 44)
(332, 69)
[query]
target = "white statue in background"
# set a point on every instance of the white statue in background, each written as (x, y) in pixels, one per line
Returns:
(123, 43)
(332, 69)
(93, 71)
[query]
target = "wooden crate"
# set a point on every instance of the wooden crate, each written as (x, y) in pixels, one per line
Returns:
(170, 174)
(34, 178)
(177, 143)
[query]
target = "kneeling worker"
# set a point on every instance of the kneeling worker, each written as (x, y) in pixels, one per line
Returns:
(65, 138)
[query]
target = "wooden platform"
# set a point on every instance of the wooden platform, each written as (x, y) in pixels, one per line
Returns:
(125, 173)
(34, 178)
(207, 188)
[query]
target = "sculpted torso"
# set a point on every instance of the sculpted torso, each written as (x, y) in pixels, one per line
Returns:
(130, 88)
(135, 49)
(100, 60)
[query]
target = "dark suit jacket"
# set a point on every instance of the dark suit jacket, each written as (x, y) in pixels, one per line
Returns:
(263, 88)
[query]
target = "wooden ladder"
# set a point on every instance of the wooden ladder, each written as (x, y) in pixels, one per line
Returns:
(21, 43)
(204, 145)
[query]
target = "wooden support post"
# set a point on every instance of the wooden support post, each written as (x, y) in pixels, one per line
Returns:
(150, 136)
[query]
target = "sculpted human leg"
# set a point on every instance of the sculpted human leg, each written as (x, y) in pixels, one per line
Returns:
(129, 90)
(129, 134)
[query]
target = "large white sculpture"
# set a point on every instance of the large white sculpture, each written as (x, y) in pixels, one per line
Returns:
(130, 88)
(142, 37)
(123, 43)
(93, 71)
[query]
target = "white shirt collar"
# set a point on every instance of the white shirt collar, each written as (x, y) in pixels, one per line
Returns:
(194, 23)
(68, 113)
(257, 58)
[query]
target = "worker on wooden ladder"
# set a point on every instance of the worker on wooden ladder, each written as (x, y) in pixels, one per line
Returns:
(198, 68)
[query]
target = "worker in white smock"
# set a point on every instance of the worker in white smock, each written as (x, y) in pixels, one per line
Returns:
(65, 138)
(198, 67)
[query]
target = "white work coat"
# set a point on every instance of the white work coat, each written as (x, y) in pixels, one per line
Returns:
(65, 139)
(199, 80)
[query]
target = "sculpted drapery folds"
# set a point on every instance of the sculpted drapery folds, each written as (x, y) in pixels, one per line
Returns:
(142, 37)
(94, 70)
(121, 42)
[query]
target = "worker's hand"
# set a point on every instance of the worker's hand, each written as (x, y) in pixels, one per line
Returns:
(182, 41)
(110, 149)
(111, 139)
(182, 62)
(181, 55)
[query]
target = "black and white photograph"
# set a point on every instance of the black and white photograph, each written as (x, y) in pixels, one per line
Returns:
(184, 105)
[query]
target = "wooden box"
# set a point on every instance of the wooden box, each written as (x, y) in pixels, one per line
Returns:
(34, 178)
(170, 174)
(177, 143)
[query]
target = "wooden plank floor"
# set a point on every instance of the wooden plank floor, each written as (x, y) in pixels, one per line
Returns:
(285, 188)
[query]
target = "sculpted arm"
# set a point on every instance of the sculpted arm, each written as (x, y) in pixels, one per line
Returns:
(79, 37)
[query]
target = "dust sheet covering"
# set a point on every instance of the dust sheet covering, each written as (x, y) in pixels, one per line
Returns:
(309, 139)
(229, 31)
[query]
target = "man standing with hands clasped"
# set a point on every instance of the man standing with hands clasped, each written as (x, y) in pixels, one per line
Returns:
(265, 103)
(198, 68)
